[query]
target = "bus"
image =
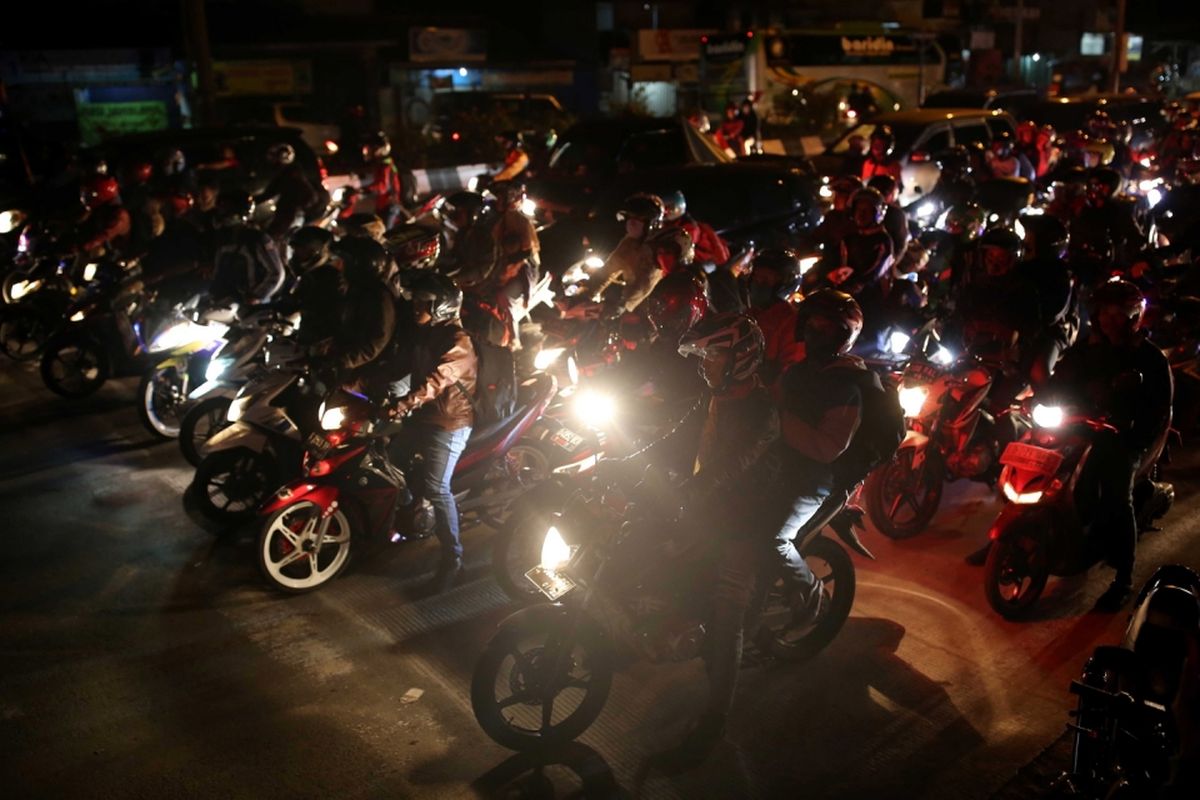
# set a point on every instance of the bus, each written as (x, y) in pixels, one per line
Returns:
(818, 82)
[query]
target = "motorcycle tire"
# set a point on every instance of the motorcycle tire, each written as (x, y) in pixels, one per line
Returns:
(256, 475)
(546, 632)
(154, 410)
(884, 500)
(1019, 557)
(839, 585)
(201, 422)
(23, 332)
(517, 549)
(281, 546)
(74, 367)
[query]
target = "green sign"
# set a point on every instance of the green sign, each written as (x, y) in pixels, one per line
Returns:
(99, 121)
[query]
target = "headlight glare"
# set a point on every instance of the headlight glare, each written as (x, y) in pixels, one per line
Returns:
(556, 553)
(332, 419)
(1048, 416)
(912, 400)
(594, 409)
(546, 358)
(216, 368)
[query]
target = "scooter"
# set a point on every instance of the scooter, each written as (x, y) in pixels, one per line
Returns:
(350, 491)
(1043, 528)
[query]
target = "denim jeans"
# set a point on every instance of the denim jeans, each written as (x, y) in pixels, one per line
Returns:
(799, 511)
(440, 451)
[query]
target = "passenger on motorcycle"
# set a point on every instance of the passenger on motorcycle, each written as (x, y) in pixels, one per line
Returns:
(1118, 375)
(296, 200)
(106, 224)
(444, 369)
(1108, 213)
(710, 247)
(633, 261)
(880, 159)
(516, 160)
(320, 286)
(247, 267)
(837, 221)
(1005, 161)
(366, 310)
(774, 279)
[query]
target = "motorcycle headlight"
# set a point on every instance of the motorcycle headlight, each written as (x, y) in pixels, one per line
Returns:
(556, 553)
(9, 220)
(78, 316)
(544, 359)
(1048, 416)
(89, 272)
(332, 419)
(593, 262)
(594, 409)
(926, 210)
(942, 356)
(897, 341)
(807, 263)
(912, 400)
(184, 333)
(529, 206)
(1154, 197)
(22, 288)
(216, 368)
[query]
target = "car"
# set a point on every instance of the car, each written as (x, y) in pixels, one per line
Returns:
(920, 136)
(1144, 114)
(1010, 100)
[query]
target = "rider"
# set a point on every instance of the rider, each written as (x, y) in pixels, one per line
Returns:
(106, 223)
(247, 267)
(1117, 374)
(1107, 212)
(1007, 162)
(880, 159)
(775, 278)
(516, 160)
(634, 259)
(1027, 147)
(440, 401)
(367, 311)
(710, 247)
(866, 269)
(319, 288)
(518, 256)
(291, 189)
(837, 222)
(383, 182)
(895, 222)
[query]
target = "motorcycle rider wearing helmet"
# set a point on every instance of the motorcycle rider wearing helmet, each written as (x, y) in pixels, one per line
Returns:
(837, 221)
(367, 311)
(516, 160)
(634, 260)
(470, 248)
(895, 222)
(1117, 374)
(866, 258)
(382, 182)
(294, 194)
(247, 267)
(774, 279)
(106, 224)
(518, 256)
(1005, 161)
(710, 247)
(880, 159)
(1106, 211)
(1026, 146)
(320, 286)
(443, 370)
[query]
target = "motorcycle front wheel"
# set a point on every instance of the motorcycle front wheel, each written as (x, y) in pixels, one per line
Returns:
(74, 367)
(161, 394)
(23, 332)
(901, 500)
(517, 549)
(288, 554)
(1016, 573)
(780, 634)
(539, 683)
(201, 422)
(230, 485)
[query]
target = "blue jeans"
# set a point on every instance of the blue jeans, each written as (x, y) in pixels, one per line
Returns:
(799, 511)
(440, 451)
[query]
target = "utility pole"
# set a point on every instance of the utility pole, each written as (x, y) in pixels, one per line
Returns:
(1118, 49)
(195, 27)
(1018, 36)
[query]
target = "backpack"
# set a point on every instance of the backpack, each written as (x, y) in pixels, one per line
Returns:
(879, 434)
(495, 396)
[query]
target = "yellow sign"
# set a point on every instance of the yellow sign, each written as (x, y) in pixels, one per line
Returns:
(275, 77)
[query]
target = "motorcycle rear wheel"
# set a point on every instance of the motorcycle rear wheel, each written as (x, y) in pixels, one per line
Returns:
(74, 367)
(286, 547)
(201, 422)
(1016, 573)
(902, 502)
(230, 485)
(523, 675)
(160, 404)
(777, 634)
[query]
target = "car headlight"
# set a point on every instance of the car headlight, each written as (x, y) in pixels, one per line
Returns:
(942, 356)
(593, 262)
(332, 419)
(556, 553)
(89, 272)
(529, 206)
(594, 409)
(544, 359)
(897, 341)
(1048, 416)
(216, 368)
(184, 333)
(926, 210)
(912, 400)
(9, 220)
(23, 288)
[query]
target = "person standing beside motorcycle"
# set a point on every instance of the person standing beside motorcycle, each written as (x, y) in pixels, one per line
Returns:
(444, 368)
(382, 183)
(710, 247)
(106, 224)
(516, 160)
(295, 196)
(633, 260)
(1118, 375)
(773, 281)
(247, 268)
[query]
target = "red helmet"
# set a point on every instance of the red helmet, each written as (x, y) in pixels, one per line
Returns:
(180, 203)
(99, 190)
(677, 303)
(140, 172)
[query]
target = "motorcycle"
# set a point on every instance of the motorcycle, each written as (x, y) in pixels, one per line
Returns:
(186, 347)
(349, 490)
(951, 436)
(1043, 528)
(1127, 738)
(619, 590)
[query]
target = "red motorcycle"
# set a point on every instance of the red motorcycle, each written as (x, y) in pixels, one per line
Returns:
(351, 493)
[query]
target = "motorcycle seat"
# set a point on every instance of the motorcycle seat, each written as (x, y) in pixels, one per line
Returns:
(1167, 628)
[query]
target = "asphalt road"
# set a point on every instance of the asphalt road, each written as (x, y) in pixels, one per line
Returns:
(141, 657)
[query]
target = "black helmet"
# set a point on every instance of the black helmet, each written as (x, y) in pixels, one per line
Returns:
(377, 145)
(965, 221)
(884, 184)
(233, 209)
(310, 248)
(845, 184)
(363, 257)
(648, 208)
(674, 204)
(884, 133)
(444, 297)
(836, 319)
(281, 154)
(1119, 293)
(781, 260)
(874, 198)
(776, 275)
(1046, 237)
(1006, 240)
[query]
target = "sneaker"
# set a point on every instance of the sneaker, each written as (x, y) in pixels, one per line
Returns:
(1114, 598)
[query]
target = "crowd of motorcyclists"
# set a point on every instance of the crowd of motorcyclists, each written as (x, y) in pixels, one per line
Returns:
(1036, 256)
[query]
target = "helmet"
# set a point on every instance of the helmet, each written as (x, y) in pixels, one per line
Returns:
(363, 257)
(675, 205)
(1122, 294)
(281, 154)
(781, 260)
(872, 197)
(1104, 181)
(99, 190)
(1010, 247)
(964, 221)
(366, 226)
(310, 248)
(736, 334)
(377, 146)
(443, 295)
(776, 275)
(233, 209)
(511, 138)
(1097, 152)
(678, 302)
(885, 134)
(648, 208)
(1046, 237)
(836, 321)
(884, 184)
(509, 193)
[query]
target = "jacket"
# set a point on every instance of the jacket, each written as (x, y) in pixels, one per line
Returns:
(368, 319)
(444, 376)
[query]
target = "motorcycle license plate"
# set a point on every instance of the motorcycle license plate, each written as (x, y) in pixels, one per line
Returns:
(552, 584)
(1028, 458)
(567, 440)
(318, 445)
